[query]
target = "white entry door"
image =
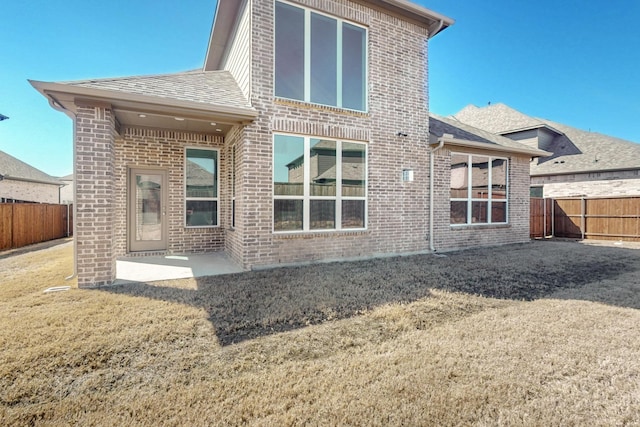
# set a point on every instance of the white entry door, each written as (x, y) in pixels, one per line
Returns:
(147, 210)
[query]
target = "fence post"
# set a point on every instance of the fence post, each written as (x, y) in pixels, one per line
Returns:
(583, 219)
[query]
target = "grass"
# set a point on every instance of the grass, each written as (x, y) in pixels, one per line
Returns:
(538, 334)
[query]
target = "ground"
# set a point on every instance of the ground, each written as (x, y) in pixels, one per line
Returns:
(544, 333)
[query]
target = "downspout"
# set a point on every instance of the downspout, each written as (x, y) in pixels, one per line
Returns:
(431, 197)
(56, 106)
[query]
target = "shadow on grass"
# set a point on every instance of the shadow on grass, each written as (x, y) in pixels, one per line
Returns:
(253, 304)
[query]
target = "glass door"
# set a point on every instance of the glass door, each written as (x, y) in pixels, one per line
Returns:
(147, 210)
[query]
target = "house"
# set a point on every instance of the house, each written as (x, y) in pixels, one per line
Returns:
(22, 183)
(310, 131)
(66, 192)
(582, 163)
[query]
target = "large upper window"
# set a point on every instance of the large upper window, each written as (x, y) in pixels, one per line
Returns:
(318, 184)
(201, 182)
(319, 58)
(478, 189)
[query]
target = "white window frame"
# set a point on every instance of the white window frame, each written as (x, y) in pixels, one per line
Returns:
(307, 197)
(212, 199)
(488, 200)
(307, 58)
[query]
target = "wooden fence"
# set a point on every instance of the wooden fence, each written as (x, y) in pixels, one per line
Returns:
(23, 224)
(586, 218)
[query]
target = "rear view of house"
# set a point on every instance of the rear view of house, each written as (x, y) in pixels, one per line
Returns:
(305, 137)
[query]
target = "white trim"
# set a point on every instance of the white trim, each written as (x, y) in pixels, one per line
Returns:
(307, 197)
(489, 200)
(205, 199)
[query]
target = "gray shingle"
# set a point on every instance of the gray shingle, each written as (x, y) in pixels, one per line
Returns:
(12, 168)
(208, 87)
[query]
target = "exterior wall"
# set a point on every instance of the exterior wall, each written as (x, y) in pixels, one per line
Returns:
(165, 149)
(234, 236)
(595, 184)
(239, 56)
(95, 194)
(66, 192)
(397, 211)
(447, 237)
(29, 191)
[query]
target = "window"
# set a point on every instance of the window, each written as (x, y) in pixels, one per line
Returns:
(201, 182)
(319, 58)
(318, 184)
(478, 189)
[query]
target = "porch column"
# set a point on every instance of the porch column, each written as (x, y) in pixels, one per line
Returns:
(95, 208)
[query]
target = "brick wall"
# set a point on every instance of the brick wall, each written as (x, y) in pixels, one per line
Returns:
(593, 184)
(29, 191)
(397, 219)
(95, 161)
(447, 238)
(164, 149)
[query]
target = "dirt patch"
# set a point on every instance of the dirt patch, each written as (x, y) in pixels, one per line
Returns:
(253, 304)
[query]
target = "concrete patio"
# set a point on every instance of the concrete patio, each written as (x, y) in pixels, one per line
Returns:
(155, 268)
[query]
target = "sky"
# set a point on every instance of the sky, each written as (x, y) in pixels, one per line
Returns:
(572, 61)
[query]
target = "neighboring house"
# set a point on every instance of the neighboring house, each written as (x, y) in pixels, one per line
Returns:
(22, 183)
(310, 120)
(582, 163)
(66, 192)
(3, 117)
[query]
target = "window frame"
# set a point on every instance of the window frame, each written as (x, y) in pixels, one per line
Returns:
(306, 197)
(489, 200)
(216, 198)
(339, 61)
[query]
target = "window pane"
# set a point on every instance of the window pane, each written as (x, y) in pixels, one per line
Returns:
(353, 213)
(289, 47)
(499, 212)
(459, 176)
(202, 213)
(287, 215)
(288, 165)
(354, 177)
(201, 173)
(458, 212)
(353, 67)
(479, 212)
(324, 59)
(480, 178)
(323, 214)
(322, 163)
(499, 179)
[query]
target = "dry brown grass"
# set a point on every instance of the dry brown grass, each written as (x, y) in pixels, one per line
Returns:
(539, 334)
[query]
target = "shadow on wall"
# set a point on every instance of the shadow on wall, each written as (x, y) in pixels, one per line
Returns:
(253, 304)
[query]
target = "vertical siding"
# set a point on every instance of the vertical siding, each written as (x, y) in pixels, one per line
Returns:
(238, 58)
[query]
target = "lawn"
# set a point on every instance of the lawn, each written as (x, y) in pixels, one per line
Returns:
(544, 333)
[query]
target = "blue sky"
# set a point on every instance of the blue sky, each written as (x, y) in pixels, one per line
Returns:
(573, 61)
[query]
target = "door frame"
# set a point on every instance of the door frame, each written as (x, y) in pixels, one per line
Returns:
(150, 245)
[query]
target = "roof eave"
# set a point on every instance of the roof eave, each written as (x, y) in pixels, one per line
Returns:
(63, 98)
(455, 142)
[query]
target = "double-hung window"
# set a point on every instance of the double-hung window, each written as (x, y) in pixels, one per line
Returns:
(201, 187)
(478, 189)
(319, 58)
(318, 184)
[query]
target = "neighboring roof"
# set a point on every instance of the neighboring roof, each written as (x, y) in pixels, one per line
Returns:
(66, 177)
(461, 134)
(574, 150)
(228, 13)
(499, 118)
(12, 168)
(3, 117)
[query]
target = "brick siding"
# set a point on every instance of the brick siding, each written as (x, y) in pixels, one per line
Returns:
(29, 191)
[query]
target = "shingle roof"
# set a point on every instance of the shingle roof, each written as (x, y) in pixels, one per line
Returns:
(12, 168)
(574, 150)
(438, 126)
(209, 87)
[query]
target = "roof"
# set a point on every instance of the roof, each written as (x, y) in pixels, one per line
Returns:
(3, 117)
(462, 134)
(12, 168)
(228, 13)
(573, 150)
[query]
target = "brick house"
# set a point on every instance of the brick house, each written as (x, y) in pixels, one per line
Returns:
(582, 163)
(22, 183)
(335, 89)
